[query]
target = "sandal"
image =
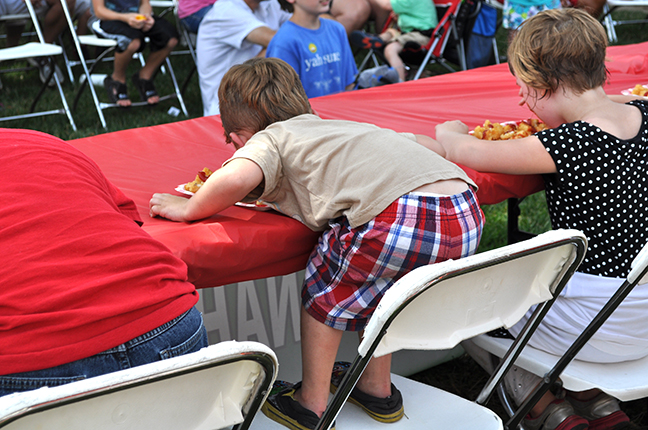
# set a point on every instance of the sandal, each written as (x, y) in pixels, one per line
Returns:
(117, 91)
(145, 88)
(386, 410)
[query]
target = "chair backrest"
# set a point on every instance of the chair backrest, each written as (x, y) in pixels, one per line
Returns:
(219, 386)
(439, 305)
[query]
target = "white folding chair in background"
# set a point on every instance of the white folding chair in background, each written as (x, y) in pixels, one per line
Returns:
(38, 49)
(437, 306)
(217, 387)
(625, 381)
(612, 5)
(108, 46)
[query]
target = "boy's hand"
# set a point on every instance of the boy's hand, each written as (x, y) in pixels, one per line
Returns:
(148, 23)
(136, 20)
(168, 206)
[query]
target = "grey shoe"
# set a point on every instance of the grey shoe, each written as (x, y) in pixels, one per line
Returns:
(44, 70)
(602, 412)
(559, 415)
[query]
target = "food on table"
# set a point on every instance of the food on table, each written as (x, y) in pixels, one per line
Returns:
(640, 90)
(201, 177)
(508, 130)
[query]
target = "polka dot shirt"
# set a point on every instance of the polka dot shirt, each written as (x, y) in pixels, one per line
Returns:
(601, 188)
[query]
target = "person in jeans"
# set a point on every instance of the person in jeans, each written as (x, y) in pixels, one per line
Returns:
(85, 290)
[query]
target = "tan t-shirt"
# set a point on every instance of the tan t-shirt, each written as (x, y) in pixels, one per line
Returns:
(316, 170)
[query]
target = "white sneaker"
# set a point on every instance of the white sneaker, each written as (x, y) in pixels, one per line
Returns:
(44, 70)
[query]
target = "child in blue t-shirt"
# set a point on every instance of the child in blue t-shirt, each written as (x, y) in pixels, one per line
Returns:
(317, 48)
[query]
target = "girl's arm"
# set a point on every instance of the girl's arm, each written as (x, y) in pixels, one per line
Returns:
(518, 156)
(222, 189)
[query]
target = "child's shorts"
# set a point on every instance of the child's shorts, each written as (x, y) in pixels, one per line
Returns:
(159, 35)
(351, 268)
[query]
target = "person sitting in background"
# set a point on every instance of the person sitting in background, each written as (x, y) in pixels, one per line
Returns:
(50, 12)
(355, 14)
(232, 32)
(594, 161)
(416, 22)
(85, 290)
(317, 48)
(192, 12)
(131, 23)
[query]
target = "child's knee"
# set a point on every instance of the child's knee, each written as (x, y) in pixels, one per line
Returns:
(133, 46)
(173, 42)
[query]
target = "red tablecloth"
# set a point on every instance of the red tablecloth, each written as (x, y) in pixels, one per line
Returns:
(241, 244)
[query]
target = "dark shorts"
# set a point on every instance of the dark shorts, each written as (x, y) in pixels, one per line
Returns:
(158, 36)
(179, 336)
(351, 268)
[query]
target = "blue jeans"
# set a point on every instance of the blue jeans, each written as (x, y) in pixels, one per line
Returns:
(192, 22)
(179, 336)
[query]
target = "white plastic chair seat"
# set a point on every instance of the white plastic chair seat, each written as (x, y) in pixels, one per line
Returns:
(92, 40)
(30, 50)
(205, 390)
(426, 407)
(626, 381)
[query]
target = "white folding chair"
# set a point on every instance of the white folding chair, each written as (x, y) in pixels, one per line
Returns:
(219, 386)
(38, 49)
(108, 47)
(439, 305)
(626, 381)
(610, 23)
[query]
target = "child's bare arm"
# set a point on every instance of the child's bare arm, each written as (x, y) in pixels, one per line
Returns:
(222, 189)
(430, 143)
(518, 156)
(105, 14)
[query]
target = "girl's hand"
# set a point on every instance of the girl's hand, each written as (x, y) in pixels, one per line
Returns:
(450, 127)
(168, 206)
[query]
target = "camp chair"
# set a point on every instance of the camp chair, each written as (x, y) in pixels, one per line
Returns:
(439, 305)
(625, 381)
(610, 23)
(219, 386)
(108, 47)
(38, 49)
(448, 33)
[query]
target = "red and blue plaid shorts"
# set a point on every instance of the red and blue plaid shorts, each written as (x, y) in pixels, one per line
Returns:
(351, 268)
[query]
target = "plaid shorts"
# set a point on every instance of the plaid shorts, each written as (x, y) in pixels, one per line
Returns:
(351, 268)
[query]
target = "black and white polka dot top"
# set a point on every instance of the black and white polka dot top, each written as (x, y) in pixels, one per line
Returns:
(601, 188)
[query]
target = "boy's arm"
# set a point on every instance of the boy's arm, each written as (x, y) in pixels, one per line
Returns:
(260, 36)
(430, 143)
(223, 188)
(105, 14)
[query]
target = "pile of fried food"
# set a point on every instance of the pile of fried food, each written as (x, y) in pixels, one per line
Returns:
(508, 130)
(640, 90)
(201, 177)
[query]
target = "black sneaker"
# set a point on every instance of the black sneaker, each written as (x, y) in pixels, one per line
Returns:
(386, 410)
(282, 407)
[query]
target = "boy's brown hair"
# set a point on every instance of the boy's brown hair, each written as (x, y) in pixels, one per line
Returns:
(288, 7)
(560, 47)
(260, 92)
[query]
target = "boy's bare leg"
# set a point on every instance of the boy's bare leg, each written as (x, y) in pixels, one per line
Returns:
(352, 14)
(153, 62)
(122, 59)
(319, 346)
(54, 21)
(376, 378)
(392, 55)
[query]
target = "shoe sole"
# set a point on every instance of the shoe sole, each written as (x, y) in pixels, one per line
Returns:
(275, 415)
(383, 418)
(569, 423)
